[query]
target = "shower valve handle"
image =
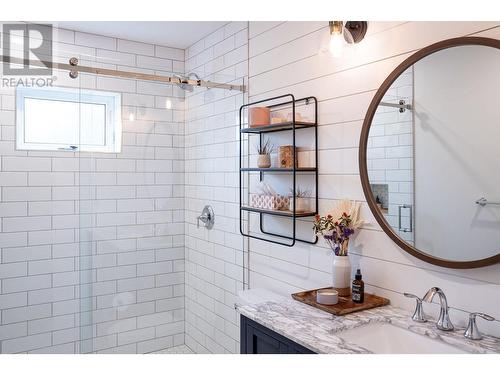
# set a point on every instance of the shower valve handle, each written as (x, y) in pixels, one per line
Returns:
(207, 217)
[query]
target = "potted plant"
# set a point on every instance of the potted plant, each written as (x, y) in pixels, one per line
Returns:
(264, 150)
(337, 228)
(302, 200)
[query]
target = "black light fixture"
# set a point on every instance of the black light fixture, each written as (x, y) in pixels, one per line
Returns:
(350, 32)
(355, 31)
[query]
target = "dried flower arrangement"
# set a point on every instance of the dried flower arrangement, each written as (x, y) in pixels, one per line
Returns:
(336, 228)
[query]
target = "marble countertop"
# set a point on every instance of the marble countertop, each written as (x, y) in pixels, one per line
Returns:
(315, 329)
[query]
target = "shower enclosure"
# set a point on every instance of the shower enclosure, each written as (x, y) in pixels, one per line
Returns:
(92, 206)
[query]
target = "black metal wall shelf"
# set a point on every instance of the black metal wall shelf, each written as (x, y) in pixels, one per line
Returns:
(279, 170)
(278, 127)
(285, 213)
(286, 101)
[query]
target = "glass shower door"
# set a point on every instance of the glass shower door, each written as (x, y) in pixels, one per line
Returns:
(91, 206)
(42, 297)
(131, 223)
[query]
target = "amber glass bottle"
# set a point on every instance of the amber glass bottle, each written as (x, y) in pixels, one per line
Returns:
(358, 288)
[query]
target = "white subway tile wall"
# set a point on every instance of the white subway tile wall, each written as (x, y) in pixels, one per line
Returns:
(92, 245)
(214, 271)
(292, 57)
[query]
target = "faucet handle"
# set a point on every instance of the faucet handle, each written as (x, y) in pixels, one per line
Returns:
(482, 315)
(472, 332)
(203, 218)
(207, 217)
(418, 315)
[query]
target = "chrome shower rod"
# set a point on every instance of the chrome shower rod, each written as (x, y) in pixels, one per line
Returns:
(73, 68)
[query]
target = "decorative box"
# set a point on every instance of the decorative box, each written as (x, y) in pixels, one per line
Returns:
(259, 116)
(306, 158)
(269, 202)
(285, 156)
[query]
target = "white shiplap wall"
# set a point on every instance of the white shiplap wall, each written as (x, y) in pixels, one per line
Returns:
(117, 218)
(290, 57)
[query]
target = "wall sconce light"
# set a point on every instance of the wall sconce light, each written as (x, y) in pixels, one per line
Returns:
(350, 32)
(336, 37)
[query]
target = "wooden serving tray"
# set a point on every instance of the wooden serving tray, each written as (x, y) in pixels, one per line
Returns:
(345, 304)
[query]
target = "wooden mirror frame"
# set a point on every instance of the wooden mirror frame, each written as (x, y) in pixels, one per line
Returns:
(363, 170)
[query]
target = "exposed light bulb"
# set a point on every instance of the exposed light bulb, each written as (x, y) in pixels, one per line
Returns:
(131, 116)
(168, 104)
(336, 45)
(336, 38)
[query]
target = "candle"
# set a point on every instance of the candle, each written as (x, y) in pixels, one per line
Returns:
(327, 296)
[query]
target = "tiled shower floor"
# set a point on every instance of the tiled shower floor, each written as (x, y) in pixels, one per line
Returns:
(181, 349)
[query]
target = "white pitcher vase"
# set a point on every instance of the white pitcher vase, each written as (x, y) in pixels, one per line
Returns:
(342, 274)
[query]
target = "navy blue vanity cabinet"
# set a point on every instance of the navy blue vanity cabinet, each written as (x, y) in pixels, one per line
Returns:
(257, 339)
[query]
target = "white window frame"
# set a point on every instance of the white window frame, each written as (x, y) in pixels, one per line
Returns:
(113, 124)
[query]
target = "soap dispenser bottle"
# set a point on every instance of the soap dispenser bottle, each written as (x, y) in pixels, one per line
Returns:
(358, 288)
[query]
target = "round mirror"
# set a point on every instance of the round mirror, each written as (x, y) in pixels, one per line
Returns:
(430, 153)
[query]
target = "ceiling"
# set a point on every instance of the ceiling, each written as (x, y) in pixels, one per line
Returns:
(179, 34)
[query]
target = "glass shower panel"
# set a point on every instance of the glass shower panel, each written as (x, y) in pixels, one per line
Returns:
(86, 192)
(72, 159)
(131, 214)
(41, 299)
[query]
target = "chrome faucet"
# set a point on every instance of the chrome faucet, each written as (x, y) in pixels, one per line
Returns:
(443, 323)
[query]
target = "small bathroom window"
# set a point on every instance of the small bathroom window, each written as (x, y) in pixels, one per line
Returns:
(56, 118)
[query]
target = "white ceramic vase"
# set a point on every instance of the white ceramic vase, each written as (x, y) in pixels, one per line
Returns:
(264, 161)
(342, 274)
